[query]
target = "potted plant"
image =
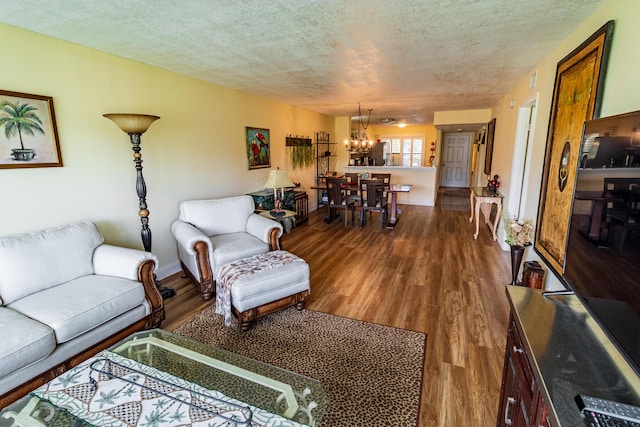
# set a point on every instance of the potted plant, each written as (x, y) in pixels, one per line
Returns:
(518, 237)
(302, 153)
(20, 119)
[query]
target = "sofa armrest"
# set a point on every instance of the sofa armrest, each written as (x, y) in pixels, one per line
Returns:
(109, 260)
(265, 229)
(187, 236)
(132, 264)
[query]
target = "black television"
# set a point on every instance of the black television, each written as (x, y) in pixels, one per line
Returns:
(602, 264)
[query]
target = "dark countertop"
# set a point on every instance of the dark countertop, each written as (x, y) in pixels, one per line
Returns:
(570, 354)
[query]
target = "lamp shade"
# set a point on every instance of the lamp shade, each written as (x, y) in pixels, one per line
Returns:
(132, 123)
(277, 179)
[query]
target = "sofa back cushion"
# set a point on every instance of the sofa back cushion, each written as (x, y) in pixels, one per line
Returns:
(218, 216)
(32, 262)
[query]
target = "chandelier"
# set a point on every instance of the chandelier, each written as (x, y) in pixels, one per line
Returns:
(359, 142)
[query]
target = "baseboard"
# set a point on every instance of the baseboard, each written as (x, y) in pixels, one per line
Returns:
(168, 270)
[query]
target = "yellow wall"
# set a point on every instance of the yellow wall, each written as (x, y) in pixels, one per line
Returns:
(621, 94)
(196, 149)
(441, 118)
(427, 132)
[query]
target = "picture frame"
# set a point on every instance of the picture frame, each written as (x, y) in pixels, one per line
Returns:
(28, 131)
(491, 130)
(577, 97)
(258, 146)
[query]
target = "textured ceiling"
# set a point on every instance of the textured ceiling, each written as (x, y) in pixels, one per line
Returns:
(404, 59)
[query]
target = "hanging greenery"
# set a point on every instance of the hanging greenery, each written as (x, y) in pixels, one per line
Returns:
(301, 151)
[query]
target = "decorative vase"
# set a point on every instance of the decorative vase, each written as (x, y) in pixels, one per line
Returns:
(517, 252)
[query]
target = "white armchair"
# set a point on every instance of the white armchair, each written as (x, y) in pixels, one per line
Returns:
(211, 233)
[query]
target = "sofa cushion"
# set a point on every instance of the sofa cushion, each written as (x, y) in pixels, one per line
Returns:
(218, 216)
(80, 305)
(24, 341)
(32, 262)
(232, 247)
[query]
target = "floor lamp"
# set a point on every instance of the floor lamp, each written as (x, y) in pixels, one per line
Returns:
(135, 125)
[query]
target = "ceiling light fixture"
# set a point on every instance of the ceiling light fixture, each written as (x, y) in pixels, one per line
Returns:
(387, 120)
(359, 142)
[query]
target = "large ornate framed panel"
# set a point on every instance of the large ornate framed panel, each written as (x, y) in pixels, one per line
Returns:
(577, 96)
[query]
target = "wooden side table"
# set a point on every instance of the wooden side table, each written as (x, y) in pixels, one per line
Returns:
(482, 198)
(287, 220)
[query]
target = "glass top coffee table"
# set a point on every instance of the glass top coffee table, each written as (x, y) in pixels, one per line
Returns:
(274, 390)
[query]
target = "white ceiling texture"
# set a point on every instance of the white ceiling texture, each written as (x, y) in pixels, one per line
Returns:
(404, 59)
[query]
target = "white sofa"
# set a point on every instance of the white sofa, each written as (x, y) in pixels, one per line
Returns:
(211, 233)
(64, 296)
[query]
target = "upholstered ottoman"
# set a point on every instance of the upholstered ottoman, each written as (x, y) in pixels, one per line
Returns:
(255, 286)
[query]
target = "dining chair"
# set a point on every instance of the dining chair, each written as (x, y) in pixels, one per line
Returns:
(374, 198)
(385, 177)
(338, 198)
(352, 185)
(352, 178)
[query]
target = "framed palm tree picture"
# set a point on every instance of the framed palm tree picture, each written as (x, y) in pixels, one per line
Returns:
(28, 132)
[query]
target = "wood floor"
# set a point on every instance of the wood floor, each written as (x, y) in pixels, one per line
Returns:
(427, 275)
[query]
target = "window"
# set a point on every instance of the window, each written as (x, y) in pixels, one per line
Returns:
(403, 151)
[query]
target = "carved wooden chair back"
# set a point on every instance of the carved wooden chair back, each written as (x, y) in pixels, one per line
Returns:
(385, 177)
(374, 198)
(336, 190)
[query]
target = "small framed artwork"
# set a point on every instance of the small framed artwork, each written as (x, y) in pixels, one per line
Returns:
(28, 132)
(258, 148)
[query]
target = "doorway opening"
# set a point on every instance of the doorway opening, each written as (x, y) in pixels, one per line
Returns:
(455, 160)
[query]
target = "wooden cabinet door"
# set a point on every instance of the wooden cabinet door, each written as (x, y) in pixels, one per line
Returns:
(542, 417)
(517, 405)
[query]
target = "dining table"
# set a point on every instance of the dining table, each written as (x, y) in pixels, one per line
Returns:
(394, 189)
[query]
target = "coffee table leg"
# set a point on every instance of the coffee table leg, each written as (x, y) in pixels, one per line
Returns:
(32, 414)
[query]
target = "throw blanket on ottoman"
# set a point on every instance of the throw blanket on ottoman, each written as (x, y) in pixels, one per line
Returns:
(229, 273)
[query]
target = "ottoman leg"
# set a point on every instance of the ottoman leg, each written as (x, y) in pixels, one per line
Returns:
(245, 318)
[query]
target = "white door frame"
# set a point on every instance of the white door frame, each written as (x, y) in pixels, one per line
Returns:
(521, 161)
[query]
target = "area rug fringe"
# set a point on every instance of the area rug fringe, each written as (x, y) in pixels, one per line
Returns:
(371, 373)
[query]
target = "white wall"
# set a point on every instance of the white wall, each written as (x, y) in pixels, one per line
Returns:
(196, 149)
(621, 94)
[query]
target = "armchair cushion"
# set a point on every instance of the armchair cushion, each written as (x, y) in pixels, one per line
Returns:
(235, 246)
(218, 216)
(32, 262)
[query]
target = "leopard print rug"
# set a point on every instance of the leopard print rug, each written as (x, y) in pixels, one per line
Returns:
(372, 374)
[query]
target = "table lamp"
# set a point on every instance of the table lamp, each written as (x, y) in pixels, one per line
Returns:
(278, 179)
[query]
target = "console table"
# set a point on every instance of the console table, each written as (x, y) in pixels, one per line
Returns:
(555, 351)
(482, 198)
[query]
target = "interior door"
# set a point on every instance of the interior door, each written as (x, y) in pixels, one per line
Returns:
(455, 160)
